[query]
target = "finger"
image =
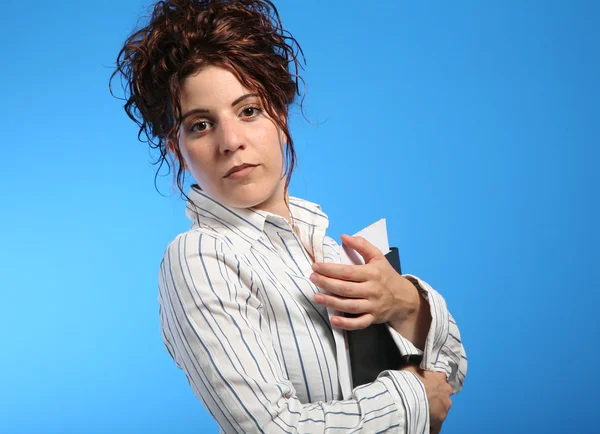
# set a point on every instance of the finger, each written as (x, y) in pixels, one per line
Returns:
(349, 272)
(344, 304)
(358, 323)
(342, 288)
(367, 250)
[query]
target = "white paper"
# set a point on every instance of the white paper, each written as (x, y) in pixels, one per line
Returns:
(376, 234)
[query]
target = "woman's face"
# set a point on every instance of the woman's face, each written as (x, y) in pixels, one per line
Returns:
(223, 126)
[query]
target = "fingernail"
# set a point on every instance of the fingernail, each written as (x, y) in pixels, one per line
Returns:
(315, 266)
(313, 278)
(319, 298)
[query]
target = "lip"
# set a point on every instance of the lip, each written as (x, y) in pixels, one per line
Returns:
(240, 169)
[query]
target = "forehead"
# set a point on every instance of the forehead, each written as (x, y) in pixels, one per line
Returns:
(212, 85)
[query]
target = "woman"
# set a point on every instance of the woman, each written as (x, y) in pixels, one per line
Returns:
(242, 312)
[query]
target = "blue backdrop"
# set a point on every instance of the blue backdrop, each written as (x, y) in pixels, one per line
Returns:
(473, 127)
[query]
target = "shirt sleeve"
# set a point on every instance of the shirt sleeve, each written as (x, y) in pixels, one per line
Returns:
(213, 327)
(406, 347)
(444, 351)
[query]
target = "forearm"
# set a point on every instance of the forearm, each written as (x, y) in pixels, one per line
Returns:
(443, 350)
(415, 326)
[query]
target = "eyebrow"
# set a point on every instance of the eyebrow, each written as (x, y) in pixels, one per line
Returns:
(204, 111)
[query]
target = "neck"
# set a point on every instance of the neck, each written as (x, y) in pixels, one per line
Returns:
(277, 204)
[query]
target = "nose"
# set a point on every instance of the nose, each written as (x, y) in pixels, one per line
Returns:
(230, 136)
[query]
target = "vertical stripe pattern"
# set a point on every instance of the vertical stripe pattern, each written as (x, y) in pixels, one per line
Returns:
(237, 316)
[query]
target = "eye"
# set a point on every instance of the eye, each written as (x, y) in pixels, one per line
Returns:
(250, 111)
(199, 127)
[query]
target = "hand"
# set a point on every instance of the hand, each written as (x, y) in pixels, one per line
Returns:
(374, 290)
(438, 395)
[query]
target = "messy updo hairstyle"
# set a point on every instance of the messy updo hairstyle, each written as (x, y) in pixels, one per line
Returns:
(245, 37)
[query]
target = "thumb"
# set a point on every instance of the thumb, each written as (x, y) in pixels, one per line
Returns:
(367, 250)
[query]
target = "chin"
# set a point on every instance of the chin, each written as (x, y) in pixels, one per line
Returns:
(247, 196)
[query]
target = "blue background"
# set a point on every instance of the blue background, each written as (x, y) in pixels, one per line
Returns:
(473, 127)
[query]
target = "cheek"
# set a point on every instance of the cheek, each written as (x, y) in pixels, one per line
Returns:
(273, 145)
(184, 156)
(195, 158)
(187, 158)
(276, 156)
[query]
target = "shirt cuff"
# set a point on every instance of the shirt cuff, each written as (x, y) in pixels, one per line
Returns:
(409, 394)
(406, 347)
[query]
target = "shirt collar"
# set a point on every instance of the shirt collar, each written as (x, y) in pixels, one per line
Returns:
(250, 221)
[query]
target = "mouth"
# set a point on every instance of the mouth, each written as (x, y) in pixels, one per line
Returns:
(238, 168)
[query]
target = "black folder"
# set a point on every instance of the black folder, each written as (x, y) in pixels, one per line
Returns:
(373, 350)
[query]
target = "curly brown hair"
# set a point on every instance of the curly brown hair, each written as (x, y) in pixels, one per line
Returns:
(245, 37)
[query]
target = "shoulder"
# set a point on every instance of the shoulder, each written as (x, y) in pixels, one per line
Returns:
(198, 241)
(195, 262)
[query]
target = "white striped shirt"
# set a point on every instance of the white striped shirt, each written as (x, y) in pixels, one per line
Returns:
(238, 317)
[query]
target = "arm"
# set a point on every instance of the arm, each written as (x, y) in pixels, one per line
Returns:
(413, 327)
(443, 349)
(213, 327)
